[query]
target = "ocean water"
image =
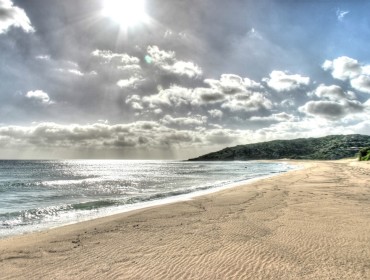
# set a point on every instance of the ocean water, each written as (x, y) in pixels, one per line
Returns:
(36, 195)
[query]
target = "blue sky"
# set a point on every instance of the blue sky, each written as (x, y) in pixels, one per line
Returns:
(176, 79)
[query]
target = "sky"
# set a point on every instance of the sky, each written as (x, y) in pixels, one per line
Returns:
(174, 79)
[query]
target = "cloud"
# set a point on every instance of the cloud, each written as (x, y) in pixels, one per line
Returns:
(74, 72)
(231, 93)
(345, 68)
(281, 81)
(335, 103)
(288, 103)
(132, 82)
(254, 34)
(332, 92)
(13, 16)
(184, 68)
(167, 61)
(145, 139)
(361, 83)
(341, 14)
(121, 58)
(119, 69)
(230, 84)
(177, 96)
(209, 95)
(186, 121)
(43, 57)
(135, 102)
(215, 113)
(279, 117)
(248, 103)
(332, 110)
(39, 96)
(234, 93)
(149, 135)
(62, 66)
(174, 96)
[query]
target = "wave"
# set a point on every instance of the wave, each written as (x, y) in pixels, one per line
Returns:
(75, 197)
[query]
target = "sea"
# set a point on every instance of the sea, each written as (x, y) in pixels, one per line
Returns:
(38, 195)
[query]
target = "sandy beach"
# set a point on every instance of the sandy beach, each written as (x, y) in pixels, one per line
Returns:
(312, 223)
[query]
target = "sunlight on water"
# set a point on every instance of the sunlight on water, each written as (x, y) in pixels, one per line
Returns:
(41, 194)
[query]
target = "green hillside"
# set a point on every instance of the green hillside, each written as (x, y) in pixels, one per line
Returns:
(324, 148)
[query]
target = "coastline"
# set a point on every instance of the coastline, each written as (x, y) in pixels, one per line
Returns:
(310, 223)
(166, 198)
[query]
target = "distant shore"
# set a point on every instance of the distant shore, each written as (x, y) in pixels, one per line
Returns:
(305, 224)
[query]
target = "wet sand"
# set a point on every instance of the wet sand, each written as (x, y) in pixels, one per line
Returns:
(307, 224)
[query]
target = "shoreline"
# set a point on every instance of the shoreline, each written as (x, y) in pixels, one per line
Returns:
(310, 223)
(103, 213)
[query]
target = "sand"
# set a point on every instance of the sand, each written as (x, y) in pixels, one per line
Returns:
(307, 224)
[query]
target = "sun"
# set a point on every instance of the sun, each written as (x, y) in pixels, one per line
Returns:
(125, 12)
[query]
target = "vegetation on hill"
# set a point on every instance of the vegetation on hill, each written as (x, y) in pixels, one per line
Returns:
(324, 148)
(364, 154)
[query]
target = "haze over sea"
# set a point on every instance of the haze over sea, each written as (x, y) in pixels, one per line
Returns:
(36, 195)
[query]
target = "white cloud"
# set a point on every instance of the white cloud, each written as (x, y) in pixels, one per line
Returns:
(97, 136)
(119, 68)
(215, 113)
(231, 93)
(63, 66)
(361, 83)
(335, 103)
(184, 68)
(74, 72)
(167, 61)
(135, 102)
(160, 57)
(248, 103)
(332, 92)
(281, 81)
(175, 96)
(39, 96)
(101, 139)
(341, 14)
(132, 82)
(186, 121)
(343, 68)
(254, 34)
(230, 84)
(279, 117)
(43, 57)
(122, 58)
(13, 16)
(288, 103)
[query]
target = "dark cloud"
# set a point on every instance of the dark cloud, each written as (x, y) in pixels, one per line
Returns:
(331, 109)
(209, 95)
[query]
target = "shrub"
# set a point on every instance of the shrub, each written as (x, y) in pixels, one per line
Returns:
(364, 154)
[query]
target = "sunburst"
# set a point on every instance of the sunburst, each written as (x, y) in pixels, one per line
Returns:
(126, 13)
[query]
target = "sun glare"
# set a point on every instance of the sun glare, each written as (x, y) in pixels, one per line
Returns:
(125, 12)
